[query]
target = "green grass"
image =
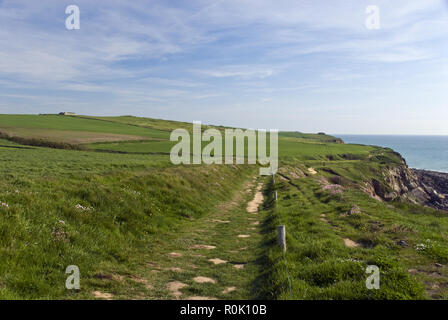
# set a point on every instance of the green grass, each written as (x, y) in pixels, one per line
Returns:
(158, 124)
(310, 136)
(133, 200)
(86, 130)
(195, 262)
(320, 265)
(135, 147)
(142, 207)
(299, 148)
(292, 148)
(44, 125)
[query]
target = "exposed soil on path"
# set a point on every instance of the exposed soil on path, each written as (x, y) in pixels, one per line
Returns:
(213, 257)
(252, 207)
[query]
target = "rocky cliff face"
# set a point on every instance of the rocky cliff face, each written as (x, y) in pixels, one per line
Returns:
(435, 184)
(423, 187)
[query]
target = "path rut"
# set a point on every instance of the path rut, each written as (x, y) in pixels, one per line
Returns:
(213, 257)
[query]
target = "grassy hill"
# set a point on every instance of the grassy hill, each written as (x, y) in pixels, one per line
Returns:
(119, 216)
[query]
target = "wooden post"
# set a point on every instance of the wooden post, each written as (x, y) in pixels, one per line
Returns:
(275, 195)
(282, 237)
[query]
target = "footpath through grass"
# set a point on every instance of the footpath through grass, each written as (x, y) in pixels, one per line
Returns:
(102, 212)
(215, 256)
(139, 227)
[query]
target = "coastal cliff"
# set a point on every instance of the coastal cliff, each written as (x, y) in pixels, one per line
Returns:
(423, 187)
(435, 185)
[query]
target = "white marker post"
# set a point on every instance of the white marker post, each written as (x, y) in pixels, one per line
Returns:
(282, 237)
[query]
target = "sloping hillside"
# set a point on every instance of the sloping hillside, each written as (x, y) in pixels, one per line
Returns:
(118, 208)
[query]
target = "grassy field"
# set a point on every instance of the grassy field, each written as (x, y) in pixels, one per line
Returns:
(133, 222)
(74, 130)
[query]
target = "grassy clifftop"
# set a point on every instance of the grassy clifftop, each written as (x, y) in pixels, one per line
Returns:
(105, 212)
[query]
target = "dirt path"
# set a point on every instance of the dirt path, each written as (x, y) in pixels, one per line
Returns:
(213, 257)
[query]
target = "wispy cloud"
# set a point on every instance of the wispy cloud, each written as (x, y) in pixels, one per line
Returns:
(240, 72)
(203, 57)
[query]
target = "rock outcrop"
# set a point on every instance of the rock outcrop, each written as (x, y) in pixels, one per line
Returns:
(435, 185)
(423, 187)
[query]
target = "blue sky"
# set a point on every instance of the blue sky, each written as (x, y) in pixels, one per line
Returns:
(308, 65)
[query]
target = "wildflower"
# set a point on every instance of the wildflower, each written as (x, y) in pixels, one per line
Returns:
(421, 247)
(5, 205)
(59, 234)
(333, 188)
(80, 207)
(349, 260)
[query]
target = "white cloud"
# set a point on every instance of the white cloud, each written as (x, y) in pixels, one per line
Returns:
(206, 53)
(239, 72)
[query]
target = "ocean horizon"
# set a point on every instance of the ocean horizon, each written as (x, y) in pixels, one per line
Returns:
(428, 152)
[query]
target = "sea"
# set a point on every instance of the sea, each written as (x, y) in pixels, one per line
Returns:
(420, 152)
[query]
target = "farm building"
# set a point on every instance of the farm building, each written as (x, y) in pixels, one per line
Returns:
(67, 113)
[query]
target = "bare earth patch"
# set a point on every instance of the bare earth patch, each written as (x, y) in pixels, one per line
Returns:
(204, 280)
(243, 236)
(175, 254)
(294, 175)
(350, 243)
(152, 264)
(202, 246)
(413, 271)
(217, 261)
(102, 295)
(228, 290)
(142, 281)
(312, 171)
(174, 288)
(175, 269)
(200, 298)
(252, 206)
(239, 266)
(220, 221)
(256, 223)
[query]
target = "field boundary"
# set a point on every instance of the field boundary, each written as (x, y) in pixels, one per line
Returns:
(42, 143)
